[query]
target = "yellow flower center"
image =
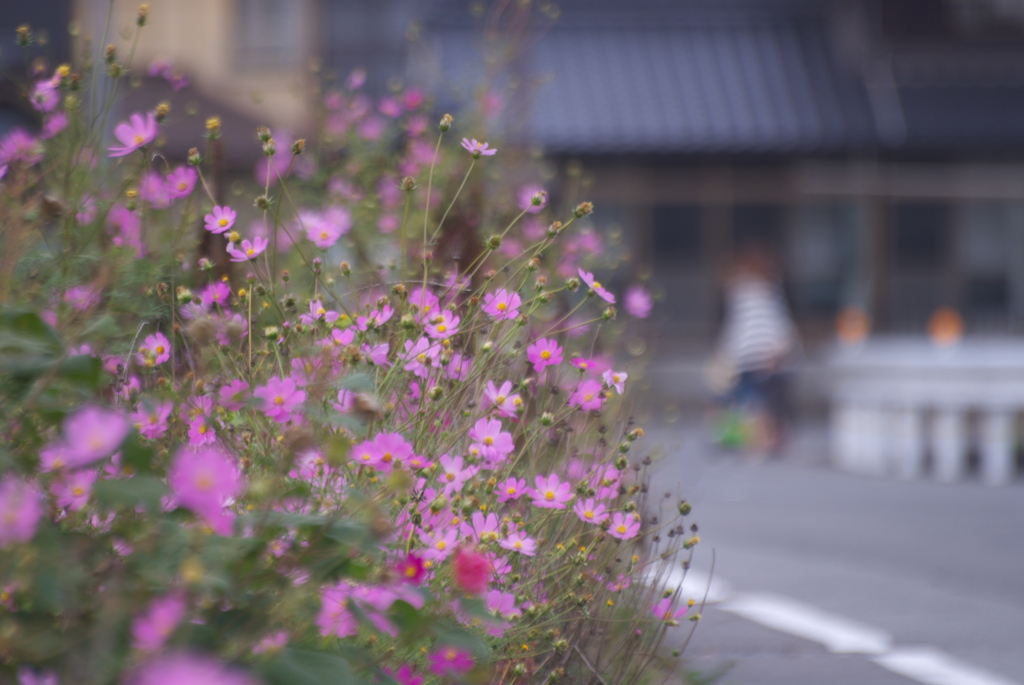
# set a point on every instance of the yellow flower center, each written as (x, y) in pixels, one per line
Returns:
(500, 399)
(139, 139)
(588, 514)
(549, 495)
(449, 477)
(441, 545)
(441, 328)
(488, 441)
(249, 252)
(279, 400)
(502, 306)
(518, 544)
(511, 491)
(545, 355)
(621, 529)
(597, 285)
(410, 571)
(78, 491)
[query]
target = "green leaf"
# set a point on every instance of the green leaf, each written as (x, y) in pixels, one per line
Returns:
(136, 454)
(293, 666)
(82, 370)
(144, 491)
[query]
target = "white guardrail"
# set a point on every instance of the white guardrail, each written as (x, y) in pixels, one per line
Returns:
(906, 407)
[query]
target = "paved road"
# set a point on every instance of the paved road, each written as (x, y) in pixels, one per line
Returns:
(922, 564)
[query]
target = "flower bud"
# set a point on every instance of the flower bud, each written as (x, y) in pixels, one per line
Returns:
(194, 157)
(184, 295)
(635, 434)
(609, 313)
(435, 393)
(140, 18)
(213, 128)
(262, 202)
(572, 284)
(547, 419)
(346, 269)
(487, 346)
(439, 504)
(110, 54)
(299, 146)
(271, 332)
(23, 37)
(494, 242)
(408, 183)
(583, 209)
(446, 120)
(538, 198)
(263, 133)
(162, 110)
(621, 463)
(270, 148)
(554, 229)
(624, 447)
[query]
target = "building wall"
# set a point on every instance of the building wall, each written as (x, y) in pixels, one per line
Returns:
(252, 53)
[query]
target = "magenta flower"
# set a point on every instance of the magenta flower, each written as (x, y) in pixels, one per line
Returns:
(74, 488)
(134, 133)
(324, 230)
(477, 149)
(615, 379)
(588, 395)
(53, 124)
(544, 353)
(405, 675)
(200, 432)
(181, 182)
(444, 325)
(334, 617)
(638, 302)
(624, 526)
(472, 571)
(20, 146)
(664, 612)
(93, 433)
(590, 512)
(280, 397)
(233, 395)
(392, 449)
(45, 95)
(551, 492)
(502, 305)
(517, 542)
(248, 250)
(217, 293)
(482, 528)
(511, 489)
(220, 219)
(596, 287)
(502, 398)
(154, 350)
(153, 190)
(450, 661)
(421, 356)
(203, 481)
(454, 473)
(366, 453)
(411, 569)
(439, 544)
(175, 669)
(490, 442)
(21, 507)
(151, 629)
(151, 420)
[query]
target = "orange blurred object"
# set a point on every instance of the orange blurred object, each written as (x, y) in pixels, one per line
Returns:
(946, 326)
(852, 325)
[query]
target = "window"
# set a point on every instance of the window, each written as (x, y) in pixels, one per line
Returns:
(920, 235)
(269, 33)
(677, 234)
(757, 226)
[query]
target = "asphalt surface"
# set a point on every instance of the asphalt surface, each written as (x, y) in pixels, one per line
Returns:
(930, 565)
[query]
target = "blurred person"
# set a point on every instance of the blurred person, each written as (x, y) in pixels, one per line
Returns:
(756, 346)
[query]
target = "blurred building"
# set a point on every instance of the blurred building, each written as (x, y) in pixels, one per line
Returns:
(875, 146)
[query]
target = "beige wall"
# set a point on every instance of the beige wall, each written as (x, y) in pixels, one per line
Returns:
(200, 37)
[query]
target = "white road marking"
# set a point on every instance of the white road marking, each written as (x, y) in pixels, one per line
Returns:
(692, 584)
(838, 634)
(929, 665)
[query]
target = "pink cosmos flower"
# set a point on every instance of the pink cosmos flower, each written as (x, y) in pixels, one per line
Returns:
(93, 433)
(502, 398)
(248, 251)
(151, 420)
(477, 149)
(74, 489)
(28, 676)
(151, 629)
(502, 305)
(280, 397)
(203, 480)
(482, 528)
(217, 293)
(317, 312)
(134, 133)
(472, 571)
(544, 353)
(378, 354)
(443, 325)
(596, 287)
(551, 492)
(154, 350)
(590, 512)
(490, 442)
(220, 219)
(233, 395)
(454, 473)
(615, 379)
(334, 617)
(45, 95)
(53, 124)
(450, 661)
(624, 526)
(517, 542)
(20, 146)
(664, 612)
(425, 303)
(421, 356)
(201, 432)
(376, 319)
(271, 643)
(181, 182)
(439, 544)
(325, 230)
(175, 669)
(153, 190)
(638, 302)
(405, 675)
(366, 453)
(82, 298)
(588, 395)
(511, 489)
(21, 507)
(411, 569)
(392, 449)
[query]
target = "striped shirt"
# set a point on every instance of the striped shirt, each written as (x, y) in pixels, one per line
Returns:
(758, 332)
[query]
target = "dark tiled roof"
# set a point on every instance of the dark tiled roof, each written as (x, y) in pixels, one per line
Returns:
(661, 80)
(963, 119)
(758, 87)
